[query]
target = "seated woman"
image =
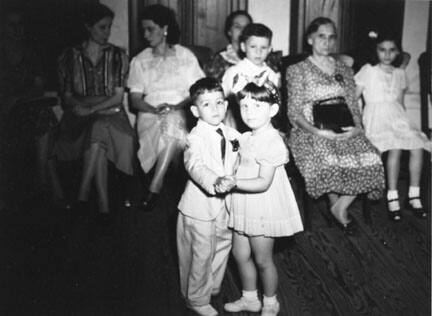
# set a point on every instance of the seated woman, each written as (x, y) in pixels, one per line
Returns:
(340, 165)
(159, 81)
(95, 126)
(234, 25)
(25, 114)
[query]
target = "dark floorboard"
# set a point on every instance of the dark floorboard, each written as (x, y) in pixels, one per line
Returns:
(57, 263)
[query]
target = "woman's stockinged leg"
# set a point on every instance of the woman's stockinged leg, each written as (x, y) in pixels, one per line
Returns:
(333, 197)
(246, 266)
(262, 248)
(42, 148)
(340, 208)
(54, 179)
(90, 160)
(162, 165)
(101, 177)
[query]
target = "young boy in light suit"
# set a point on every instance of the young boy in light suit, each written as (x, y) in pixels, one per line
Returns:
(203, 237)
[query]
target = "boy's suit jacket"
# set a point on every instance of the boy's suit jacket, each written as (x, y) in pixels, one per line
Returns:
(203, 162)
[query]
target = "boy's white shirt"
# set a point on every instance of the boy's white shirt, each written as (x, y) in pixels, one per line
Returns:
(203, 162)
(239, 75)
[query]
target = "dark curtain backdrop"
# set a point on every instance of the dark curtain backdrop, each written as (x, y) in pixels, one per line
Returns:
(52, 25)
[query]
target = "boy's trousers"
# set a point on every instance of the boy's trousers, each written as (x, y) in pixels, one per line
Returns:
(203, 248)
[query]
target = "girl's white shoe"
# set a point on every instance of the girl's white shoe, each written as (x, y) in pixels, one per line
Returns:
(270, 309)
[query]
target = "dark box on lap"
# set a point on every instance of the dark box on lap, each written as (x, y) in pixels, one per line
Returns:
(332, 114)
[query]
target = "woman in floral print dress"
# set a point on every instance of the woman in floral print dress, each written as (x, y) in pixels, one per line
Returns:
(340, 165)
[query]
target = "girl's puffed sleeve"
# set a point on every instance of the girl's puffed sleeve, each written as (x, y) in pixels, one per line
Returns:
(360, 78)
(295, 91)
(273, 153)
(194, 71)
(136, 80)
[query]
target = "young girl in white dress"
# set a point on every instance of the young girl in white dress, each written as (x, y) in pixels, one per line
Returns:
(263, 206)
(386, 123)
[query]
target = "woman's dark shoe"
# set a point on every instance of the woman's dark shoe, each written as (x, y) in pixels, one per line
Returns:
(418, 211)
(127, 202)
(349, 228)
(394, 212)
(148, 203)
(62, 204)
(104, 218)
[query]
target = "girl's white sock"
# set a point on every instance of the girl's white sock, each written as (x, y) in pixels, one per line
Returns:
(392, 194)
(250, 295)
(414, 192)
(269, 300)
(393, 205)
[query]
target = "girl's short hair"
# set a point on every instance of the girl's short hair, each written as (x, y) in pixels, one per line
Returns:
(256, 29)
(384, 37)
(230, 19)
(267, 92)
(95, 12)
(163, 16)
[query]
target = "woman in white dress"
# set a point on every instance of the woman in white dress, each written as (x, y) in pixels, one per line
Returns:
(159, 81)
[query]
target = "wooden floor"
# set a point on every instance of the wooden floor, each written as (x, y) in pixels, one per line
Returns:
(55, 263)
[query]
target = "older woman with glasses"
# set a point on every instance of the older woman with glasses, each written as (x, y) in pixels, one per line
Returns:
(327, 139)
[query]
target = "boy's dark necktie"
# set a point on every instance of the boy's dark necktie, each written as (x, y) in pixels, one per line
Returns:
(223, 143)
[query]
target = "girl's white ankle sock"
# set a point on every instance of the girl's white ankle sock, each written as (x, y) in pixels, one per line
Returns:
(414, 192)
(393, 205)
(269, 300)
(392, 194)
(250, 295)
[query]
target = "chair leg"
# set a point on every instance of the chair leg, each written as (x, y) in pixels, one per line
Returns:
(306, 211)
(366, 209)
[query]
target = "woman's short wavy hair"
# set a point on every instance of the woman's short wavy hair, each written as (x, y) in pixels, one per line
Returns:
(163, 16)
(313, 27)
(230, 20)
(93, 13)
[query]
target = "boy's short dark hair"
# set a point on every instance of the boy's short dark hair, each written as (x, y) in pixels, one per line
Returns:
(256, 29)
(204, 85)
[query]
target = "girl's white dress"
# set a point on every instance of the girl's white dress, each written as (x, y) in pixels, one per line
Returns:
(274, 212)
(384, 118)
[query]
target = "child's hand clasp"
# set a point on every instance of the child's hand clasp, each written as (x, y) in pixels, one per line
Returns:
(224, 184)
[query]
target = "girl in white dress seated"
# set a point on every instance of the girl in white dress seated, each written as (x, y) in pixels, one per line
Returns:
(386, 122)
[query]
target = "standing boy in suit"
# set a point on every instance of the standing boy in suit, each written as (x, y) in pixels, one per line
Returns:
(203, 237)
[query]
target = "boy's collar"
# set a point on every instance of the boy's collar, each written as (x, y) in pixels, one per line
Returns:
(209, 126)
(251, 64)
